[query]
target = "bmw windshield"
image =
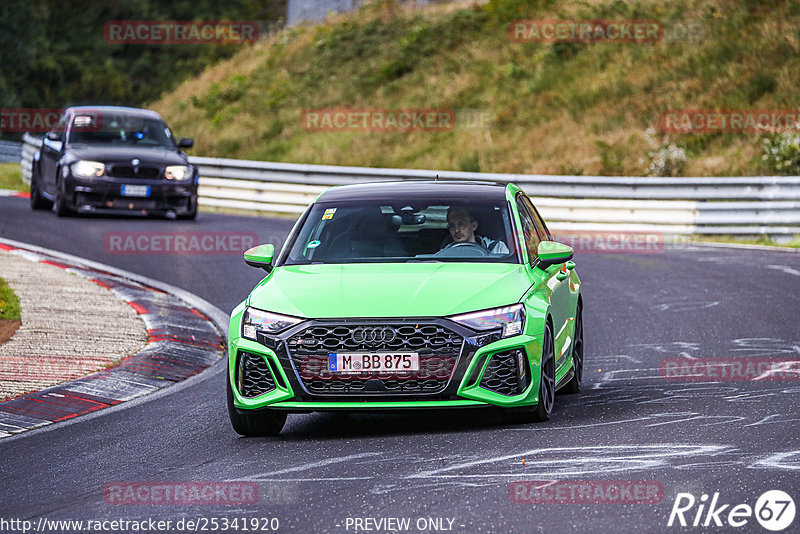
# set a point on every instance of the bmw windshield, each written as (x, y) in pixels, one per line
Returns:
(405, 230)
(120, 129)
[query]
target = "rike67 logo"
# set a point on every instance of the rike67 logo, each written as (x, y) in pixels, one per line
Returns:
(774, 510)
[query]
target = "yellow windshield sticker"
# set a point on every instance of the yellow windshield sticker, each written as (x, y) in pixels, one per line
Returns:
(328, 214)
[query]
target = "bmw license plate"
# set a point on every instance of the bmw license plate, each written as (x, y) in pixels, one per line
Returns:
(374, 362)
(135, 190)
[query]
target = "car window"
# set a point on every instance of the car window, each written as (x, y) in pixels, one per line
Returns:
(529, 233)
(405, 230)
(119, 129)
(541, 228)
(61, 127)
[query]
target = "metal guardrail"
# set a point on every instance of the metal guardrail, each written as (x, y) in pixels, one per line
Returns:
(10, 151)
(30, 146)
(670, 206)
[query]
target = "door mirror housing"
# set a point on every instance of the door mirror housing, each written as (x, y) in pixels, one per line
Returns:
(553, 253)
(260, 256)
(53, 136)
(185, 142)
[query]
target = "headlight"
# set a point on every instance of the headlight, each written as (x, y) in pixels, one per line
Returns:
(178, 172)
(510, 318)
(254, 321)
(88, 169)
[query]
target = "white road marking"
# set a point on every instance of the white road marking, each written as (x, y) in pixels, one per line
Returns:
(783, 268)
(779, 460)
(312, 465)
(576, 460)
(773, 419)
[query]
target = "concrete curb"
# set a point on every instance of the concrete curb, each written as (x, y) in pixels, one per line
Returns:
(12, 193)
(60, 313)
(185, 337)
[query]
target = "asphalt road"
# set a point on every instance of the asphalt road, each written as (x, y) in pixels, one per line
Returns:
(738, 438)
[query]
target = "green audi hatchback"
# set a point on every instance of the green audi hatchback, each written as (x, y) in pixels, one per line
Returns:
(406, 296)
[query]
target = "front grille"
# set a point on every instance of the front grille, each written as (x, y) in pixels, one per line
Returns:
(438, 349)
(127, 171)
(254, 375)
(503, 374)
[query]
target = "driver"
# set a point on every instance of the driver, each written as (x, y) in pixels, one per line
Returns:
(462, 225)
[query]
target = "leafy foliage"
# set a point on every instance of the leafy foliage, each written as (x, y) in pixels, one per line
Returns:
(53, 53)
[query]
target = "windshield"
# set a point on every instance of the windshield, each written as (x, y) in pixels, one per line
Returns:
(120, 129)
(407, 230)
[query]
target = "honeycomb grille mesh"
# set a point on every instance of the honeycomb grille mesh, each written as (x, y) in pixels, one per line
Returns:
(438, 350)
(501, 374)
(256, 377)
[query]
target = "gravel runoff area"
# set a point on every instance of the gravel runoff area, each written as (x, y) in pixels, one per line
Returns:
(71, 327)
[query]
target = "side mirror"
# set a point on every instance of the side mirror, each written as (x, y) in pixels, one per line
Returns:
(553, 253)
(53, 136)
(185, 142)
(260, 256)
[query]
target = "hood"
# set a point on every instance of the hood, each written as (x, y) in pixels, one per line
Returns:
(390, 289)
(157, 156)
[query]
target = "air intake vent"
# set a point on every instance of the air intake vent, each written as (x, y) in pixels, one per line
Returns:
(254, 377)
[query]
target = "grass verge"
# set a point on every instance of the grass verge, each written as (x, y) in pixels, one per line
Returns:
(11, 177)
(9, 303)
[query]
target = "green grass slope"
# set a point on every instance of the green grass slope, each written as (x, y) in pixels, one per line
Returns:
(560, 108)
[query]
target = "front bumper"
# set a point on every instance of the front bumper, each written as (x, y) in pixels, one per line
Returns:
(104, 195)
(478, 375)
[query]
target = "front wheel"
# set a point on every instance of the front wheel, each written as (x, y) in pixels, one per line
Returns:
(547, 380)
(38, 202)
(267, 423)
(63, 208)
(547, 384)
(574, 385)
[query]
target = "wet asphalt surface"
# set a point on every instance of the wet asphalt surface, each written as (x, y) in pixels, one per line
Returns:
(452, 472)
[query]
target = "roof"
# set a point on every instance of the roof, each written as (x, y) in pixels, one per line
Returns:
(115, 109)
(433, 188)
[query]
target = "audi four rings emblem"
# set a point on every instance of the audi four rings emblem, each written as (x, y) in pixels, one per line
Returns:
(373, 335)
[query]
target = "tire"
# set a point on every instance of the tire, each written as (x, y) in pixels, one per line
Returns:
(547, 385)
(574, 385)
(267, 423)
(63, 209)
(38, 202)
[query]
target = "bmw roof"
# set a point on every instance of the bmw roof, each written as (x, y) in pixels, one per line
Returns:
(114, 109)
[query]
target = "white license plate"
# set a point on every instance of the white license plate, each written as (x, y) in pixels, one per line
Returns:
(135, 190)
(375, 362)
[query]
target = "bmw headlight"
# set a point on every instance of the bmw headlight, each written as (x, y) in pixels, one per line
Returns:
(255, 321)
(510, 319)
(178, 172)
(88, 169)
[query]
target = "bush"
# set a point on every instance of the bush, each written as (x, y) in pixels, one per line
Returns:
(781, 152)
(666, 159)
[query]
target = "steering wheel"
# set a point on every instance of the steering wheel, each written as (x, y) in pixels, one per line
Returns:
(472, 247)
